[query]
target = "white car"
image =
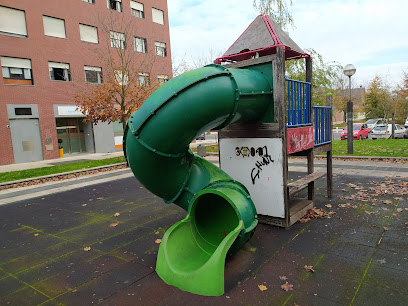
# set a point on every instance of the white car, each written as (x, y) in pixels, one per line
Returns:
(383, 132)
(372, 123)
(406, 128)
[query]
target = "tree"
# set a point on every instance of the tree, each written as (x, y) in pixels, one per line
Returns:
(400, 98)
(324, 78)
(378, 101)
(126, 80)
(184, 64)
(277, 10)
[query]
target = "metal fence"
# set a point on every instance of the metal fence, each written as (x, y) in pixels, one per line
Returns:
(299, 103)
(322, 116)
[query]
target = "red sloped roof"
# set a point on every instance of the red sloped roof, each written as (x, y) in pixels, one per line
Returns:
(261, 38)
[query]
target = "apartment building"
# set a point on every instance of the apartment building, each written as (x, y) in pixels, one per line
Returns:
(48, 51)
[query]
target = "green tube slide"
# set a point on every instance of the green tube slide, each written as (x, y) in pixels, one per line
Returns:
(221, 215)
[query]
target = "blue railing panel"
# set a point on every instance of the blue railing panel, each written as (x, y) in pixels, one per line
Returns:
(322, 117)
(299, 103)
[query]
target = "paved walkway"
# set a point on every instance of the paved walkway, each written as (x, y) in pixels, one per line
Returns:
(93, 240)
(59, 161)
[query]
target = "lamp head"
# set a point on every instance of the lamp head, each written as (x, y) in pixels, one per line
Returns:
(349, 70)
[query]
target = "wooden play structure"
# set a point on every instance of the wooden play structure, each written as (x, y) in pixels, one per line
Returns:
(298, 128)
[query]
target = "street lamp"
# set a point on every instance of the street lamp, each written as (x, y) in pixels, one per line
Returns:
(349, 70)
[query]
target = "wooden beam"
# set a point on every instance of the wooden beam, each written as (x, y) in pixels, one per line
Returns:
(279, 100)
(300, 184)
(252, 62)
(329, 154)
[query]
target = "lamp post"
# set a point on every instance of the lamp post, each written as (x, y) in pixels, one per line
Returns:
(349, 71)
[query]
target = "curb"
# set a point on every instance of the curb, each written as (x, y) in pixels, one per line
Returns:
(4, 184)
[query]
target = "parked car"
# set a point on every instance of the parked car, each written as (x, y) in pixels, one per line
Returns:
(384, 132)
(360, 131)
(406, 128)
(372, 123)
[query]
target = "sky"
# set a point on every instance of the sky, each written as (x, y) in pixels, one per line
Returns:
(370, 34)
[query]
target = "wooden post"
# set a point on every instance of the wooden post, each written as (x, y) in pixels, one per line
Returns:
(329, 153)
(278, 69)
(310, 153)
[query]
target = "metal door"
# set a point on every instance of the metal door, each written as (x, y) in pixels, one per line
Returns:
(26, 139)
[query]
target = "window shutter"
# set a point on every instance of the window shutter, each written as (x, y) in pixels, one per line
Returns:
(12, 21)
(91, 68)
(136, 5)
(88, 33)
(58, 65)
(54, 27)
(15, 62)
(157, 16)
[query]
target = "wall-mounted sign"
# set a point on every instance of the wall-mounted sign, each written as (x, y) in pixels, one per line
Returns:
(69, 110)
(257, 163)
(299, 139)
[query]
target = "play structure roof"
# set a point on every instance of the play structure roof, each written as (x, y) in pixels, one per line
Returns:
(261, 38)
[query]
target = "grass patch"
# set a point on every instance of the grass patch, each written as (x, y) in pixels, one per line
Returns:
(29, 173)
(213, 148)
(378, 147)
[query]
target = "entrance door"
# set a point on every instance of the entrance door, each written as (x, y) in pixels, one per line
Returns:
(70, 136)
(26, 139)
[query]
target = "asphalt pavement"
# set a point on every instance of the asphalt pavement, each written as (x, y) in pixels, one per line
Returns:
(94, 239)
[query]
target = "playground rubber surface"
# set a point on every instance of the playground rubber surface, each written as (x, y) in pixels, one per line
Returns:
(98, 244)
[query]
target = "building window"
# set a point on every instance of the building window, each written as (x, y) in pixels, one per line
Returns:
(162, 79)
(59, 71)
(160, 48)
(140, 45)
(93, 74)
(157, 16)
(144, 79)
(88, 33)
(54, 27)
(121, 79)
(12, 22)
(16, 71)
(115, 5)
(117, 40)
(136, 9)
(89, 1)
(23, 111)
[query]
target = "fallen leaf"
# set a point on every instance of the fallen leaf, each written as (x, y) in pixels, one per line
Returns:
(384, 208)
(87, 249)
(385, 228)
(382, 261)
(84, 204)
(101, 198)
(399, 209)
(262, 287)
(287, 287)
(36, 234)
(157, 241)
(283, 277)
(75, 290)
(157, 232)
(116, 215)
(328, 206)
(114, 224)
(309, 268)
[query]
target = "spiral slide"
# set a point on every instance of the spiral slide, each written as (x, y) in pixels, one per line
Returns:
(221, 215)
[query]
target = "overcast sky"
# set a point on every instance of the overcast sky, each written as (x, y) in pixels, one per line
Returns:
(371, 34)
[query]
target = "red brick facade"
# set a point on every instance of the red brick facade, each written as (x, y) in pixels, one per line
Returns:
(41, 49)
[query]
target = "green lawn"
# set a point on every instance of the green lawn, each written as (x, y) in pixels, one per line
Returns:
(369, 147)
(379, 147)
(23, 174)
